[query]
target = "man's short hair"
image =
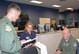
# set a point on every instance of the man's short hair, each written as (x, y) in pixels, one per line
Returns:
(13, 6)
(67, 29)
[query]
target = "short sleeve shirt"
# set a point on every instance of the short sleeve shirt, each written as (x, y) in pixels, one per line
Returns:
(25, 35)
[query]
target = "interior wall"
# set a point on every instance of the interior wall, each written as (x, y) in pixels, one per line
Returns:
(34, 12)
(71, 16)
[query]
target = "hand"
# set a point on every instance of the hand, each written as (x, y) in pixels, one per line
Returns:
(22, 41)
(58, 52)
(26, 46)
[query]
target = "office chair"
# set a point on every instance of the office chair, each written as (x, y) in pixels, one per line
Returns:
(31, 50)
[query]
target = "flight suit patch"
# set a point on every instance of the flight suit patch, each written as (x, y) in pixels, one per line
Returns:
(75, 44)
(8, 28)
(27, 37)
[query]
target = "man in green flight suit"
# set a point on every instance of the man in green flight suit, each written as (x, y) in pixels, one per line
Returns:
(68, 44)
(9, 43)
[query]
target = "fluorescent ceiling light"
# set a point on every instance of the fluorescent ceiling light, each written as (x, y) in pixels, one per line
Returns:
(37, 2)
(56, 5)
(77, 0)
(69, 8)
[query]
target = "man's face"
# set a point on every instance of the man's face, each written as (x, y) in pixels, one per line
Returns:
(29, 28)
(66, 34)
(15, 15)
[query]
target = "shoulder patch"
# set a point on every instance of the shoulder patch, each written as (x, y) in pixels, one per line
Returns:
(75, 44)
(8, 28)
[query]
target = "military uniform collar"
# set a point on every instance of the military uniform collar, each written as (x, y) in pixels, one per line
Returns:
(27, 32)
(6, 18)
(69, 39)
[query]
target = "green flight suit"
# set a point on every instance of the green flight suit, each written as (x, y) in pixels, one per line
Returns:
(68, 47)
(9, 43)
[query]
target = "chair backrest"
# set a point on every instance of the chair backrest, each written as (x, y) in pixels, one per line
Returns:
(31, 50)
(39, 50)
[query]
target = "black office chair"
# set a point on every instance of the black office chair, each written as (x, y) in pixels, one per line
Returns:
(31, 50)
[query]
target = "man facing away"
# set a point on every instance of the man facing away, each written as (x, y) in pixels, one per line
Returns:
(68, 44)
(9, 43)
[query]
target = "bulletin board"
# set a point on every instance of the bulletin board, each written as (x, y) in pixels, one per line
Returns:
(53, 21)
(44, 20)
